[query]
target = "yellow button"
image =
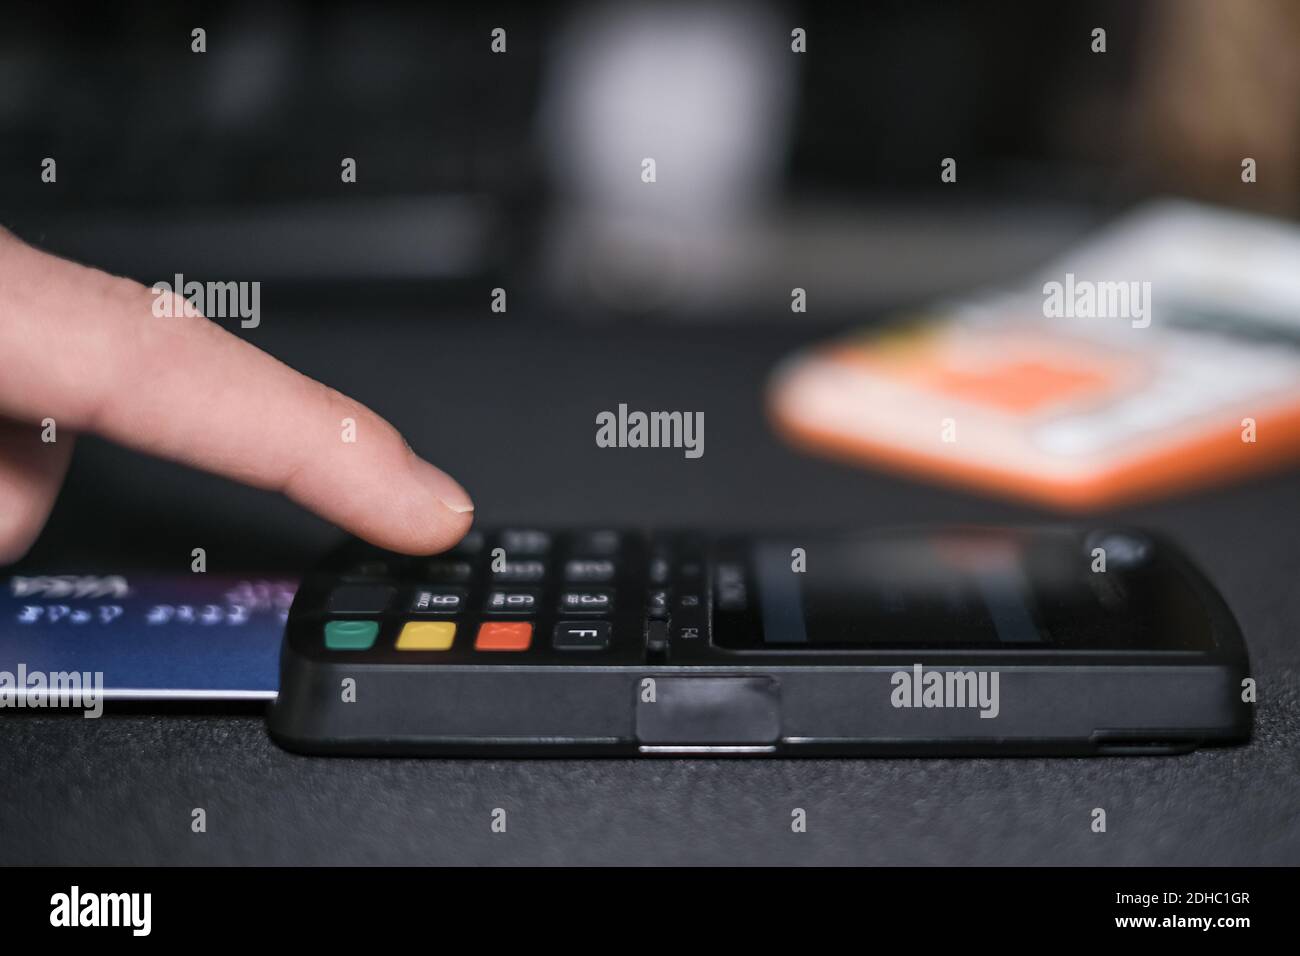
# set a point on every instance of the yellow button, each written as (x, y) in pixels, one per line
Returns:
(426, 636)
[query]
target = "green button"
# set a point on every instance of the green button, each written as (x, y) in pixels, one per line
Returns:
(351, 635)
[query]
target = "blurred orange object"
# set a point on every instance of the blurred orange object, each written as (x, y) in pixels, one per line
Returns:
(1049, 412)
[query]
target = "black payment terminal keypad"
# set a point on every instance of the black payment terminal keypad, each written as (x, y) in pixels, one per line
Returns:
(516, 641)
(516, 596)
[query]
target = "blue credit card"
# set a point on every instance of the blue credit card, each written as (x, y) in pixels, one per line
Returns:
(151, 636)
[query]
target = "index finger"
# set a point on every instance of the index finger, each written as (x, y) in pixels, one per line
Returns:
(87, 350)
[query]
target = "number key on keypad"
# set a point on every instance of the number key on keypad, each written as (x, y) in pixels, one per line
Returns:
(512, 602)
(472, 543)
(519, 571)
(525, 542)
(592, 569)
(597, 542)
(448, 569)
(592, 602)
(438, 601)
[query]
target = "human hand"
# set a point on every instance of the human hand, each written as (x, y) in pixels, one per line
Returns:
(84, 351)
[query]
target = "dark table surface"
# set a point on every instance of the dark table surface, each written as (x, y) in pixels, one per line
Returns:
(509, 407)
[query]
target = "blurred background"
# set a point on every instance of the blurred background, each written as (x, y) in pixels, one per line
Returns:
(477, 169)
(523, 170)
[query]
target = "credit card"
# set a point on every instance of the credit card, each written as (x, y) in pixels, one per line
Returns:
(151, 636)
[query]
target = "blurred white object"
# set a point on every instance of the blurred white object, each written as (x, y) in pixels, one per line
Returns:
(705, 91)
(1216, 262)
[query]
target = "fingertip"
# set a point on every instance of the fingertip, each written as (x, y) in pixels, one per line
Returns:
(453, 528)
(21, 519)
(437, 529)
(13, 549)
(441, 486)
(437, 514)
(31, 472)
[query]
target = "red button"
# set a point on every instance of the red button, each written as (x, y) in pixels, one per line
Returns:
(504, 636)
